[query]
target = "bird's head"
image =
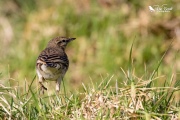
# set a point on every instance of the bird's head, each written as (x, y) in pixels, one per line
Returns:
(60, 42)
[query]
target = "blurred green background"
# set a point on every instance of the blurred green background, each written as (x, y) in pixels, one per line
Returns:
(105, 30)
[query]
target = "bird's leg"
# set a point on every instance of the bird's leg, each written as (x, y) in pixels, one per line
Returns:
(41, 80)
(58, 83)
(42, 88)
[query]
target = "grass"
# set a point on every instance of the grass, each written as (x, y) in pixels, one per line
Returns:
(137, 99)
(101, 37)
(104, 80)
(105, 101)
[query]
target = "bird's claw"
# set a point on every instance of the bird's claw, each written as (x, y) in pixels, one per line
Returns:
(42, 88)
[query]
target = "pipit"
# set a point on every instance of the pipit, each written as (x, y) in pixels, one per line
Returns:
(53, 63)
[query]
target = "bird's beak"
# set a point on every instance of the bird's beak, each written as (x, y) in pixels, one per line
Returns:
(72, 39)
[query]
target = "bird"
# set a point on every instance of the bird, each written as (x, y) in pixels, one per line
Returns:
(151, 9)
(52, 63)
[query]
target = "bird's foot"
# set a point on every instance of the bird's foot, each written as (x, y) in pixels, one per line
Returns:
(42, 88)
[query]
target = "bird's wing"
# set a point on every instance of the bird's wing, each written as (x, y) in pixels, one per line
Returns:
(53, 57)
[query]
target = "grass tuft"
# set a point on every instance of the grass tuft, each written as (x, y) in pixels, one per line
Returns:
(132, 101)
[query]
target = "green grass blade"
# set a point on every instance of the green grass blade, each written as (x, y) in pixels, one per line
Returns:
(158, 65)
(130, 63)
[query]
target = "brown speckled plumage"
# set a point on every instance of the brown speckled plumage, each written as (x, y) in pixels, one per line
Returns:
(53, 62)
